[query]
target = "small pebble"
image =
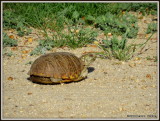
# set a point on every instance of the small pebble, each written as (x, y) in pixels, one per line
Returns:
(31, 105)
(137, 58)
(21, 111)
(143, 80)
(34, 85)
(120, 109)
(29, 93)
(137, 80)
(144, 87)
(153, 86)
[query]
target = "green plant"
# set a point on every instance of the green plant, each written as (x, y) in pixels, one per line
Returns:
(73, 37)
(152, 28)
(38, 50)
(152, 58)
(119, 49)
(34, 16)
(8, 41)
(11, 21)
(118, 25)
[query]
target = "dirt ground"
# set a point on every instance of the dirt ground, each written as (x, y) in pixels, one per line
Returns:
(113, 89)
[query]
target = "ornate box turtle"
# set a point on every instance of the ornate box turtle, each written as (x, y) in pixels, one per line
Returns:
(60, 67)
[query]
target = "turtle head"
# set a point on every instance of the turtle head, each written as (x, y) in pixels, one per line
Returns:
(88, 58)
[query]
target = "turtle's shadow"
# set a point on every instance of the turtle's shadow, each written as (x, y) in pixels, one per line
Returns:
(90, 69)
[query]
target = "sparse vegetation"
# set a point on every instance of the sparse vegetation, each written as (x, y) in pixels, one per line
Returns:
(152, 28)
(7, 41)
(119, 49)
(77, 24)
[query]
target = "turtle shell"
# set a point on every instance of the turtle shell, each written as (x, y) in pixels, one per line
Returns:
(58, 65)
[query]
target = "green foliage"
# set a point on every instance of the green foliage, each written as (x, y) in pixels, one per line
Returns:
(8, 41)
(11, 21)
(38, 50)
(145, 8)
(74, 37)
(154, 58)
(119, 49)
(152, 28)
(118, 25)
(74, 17)
(34, 16)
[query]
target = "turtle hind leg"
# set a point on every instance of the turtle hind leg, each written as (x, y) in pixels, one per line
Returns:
(53, 80)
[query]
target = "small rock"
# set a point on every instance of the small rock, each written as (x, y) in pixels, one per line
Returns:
(143, 80)
(121, 109)
(137, 80)
(153, 86)
(144, 87)
(21, 111)
(29, 93)
(31, 105)
(137, 58)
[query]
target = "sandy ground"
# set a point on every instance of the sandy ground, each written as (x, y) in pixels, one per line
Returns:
(113, 89)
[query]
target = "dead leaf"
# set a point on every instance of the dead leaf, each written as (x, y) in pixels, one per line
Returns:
(23, 56)
(146, 35)
(30, 40)
(123, 12)
(11, 36)
(83, 18)
(91, 45)
(109, 34)
(10, 78)
(14, 48)
(148, 76)
(25, 51)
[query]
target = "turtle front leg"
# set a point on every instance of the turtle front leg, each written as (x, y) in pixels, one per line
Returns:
(82, 75)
